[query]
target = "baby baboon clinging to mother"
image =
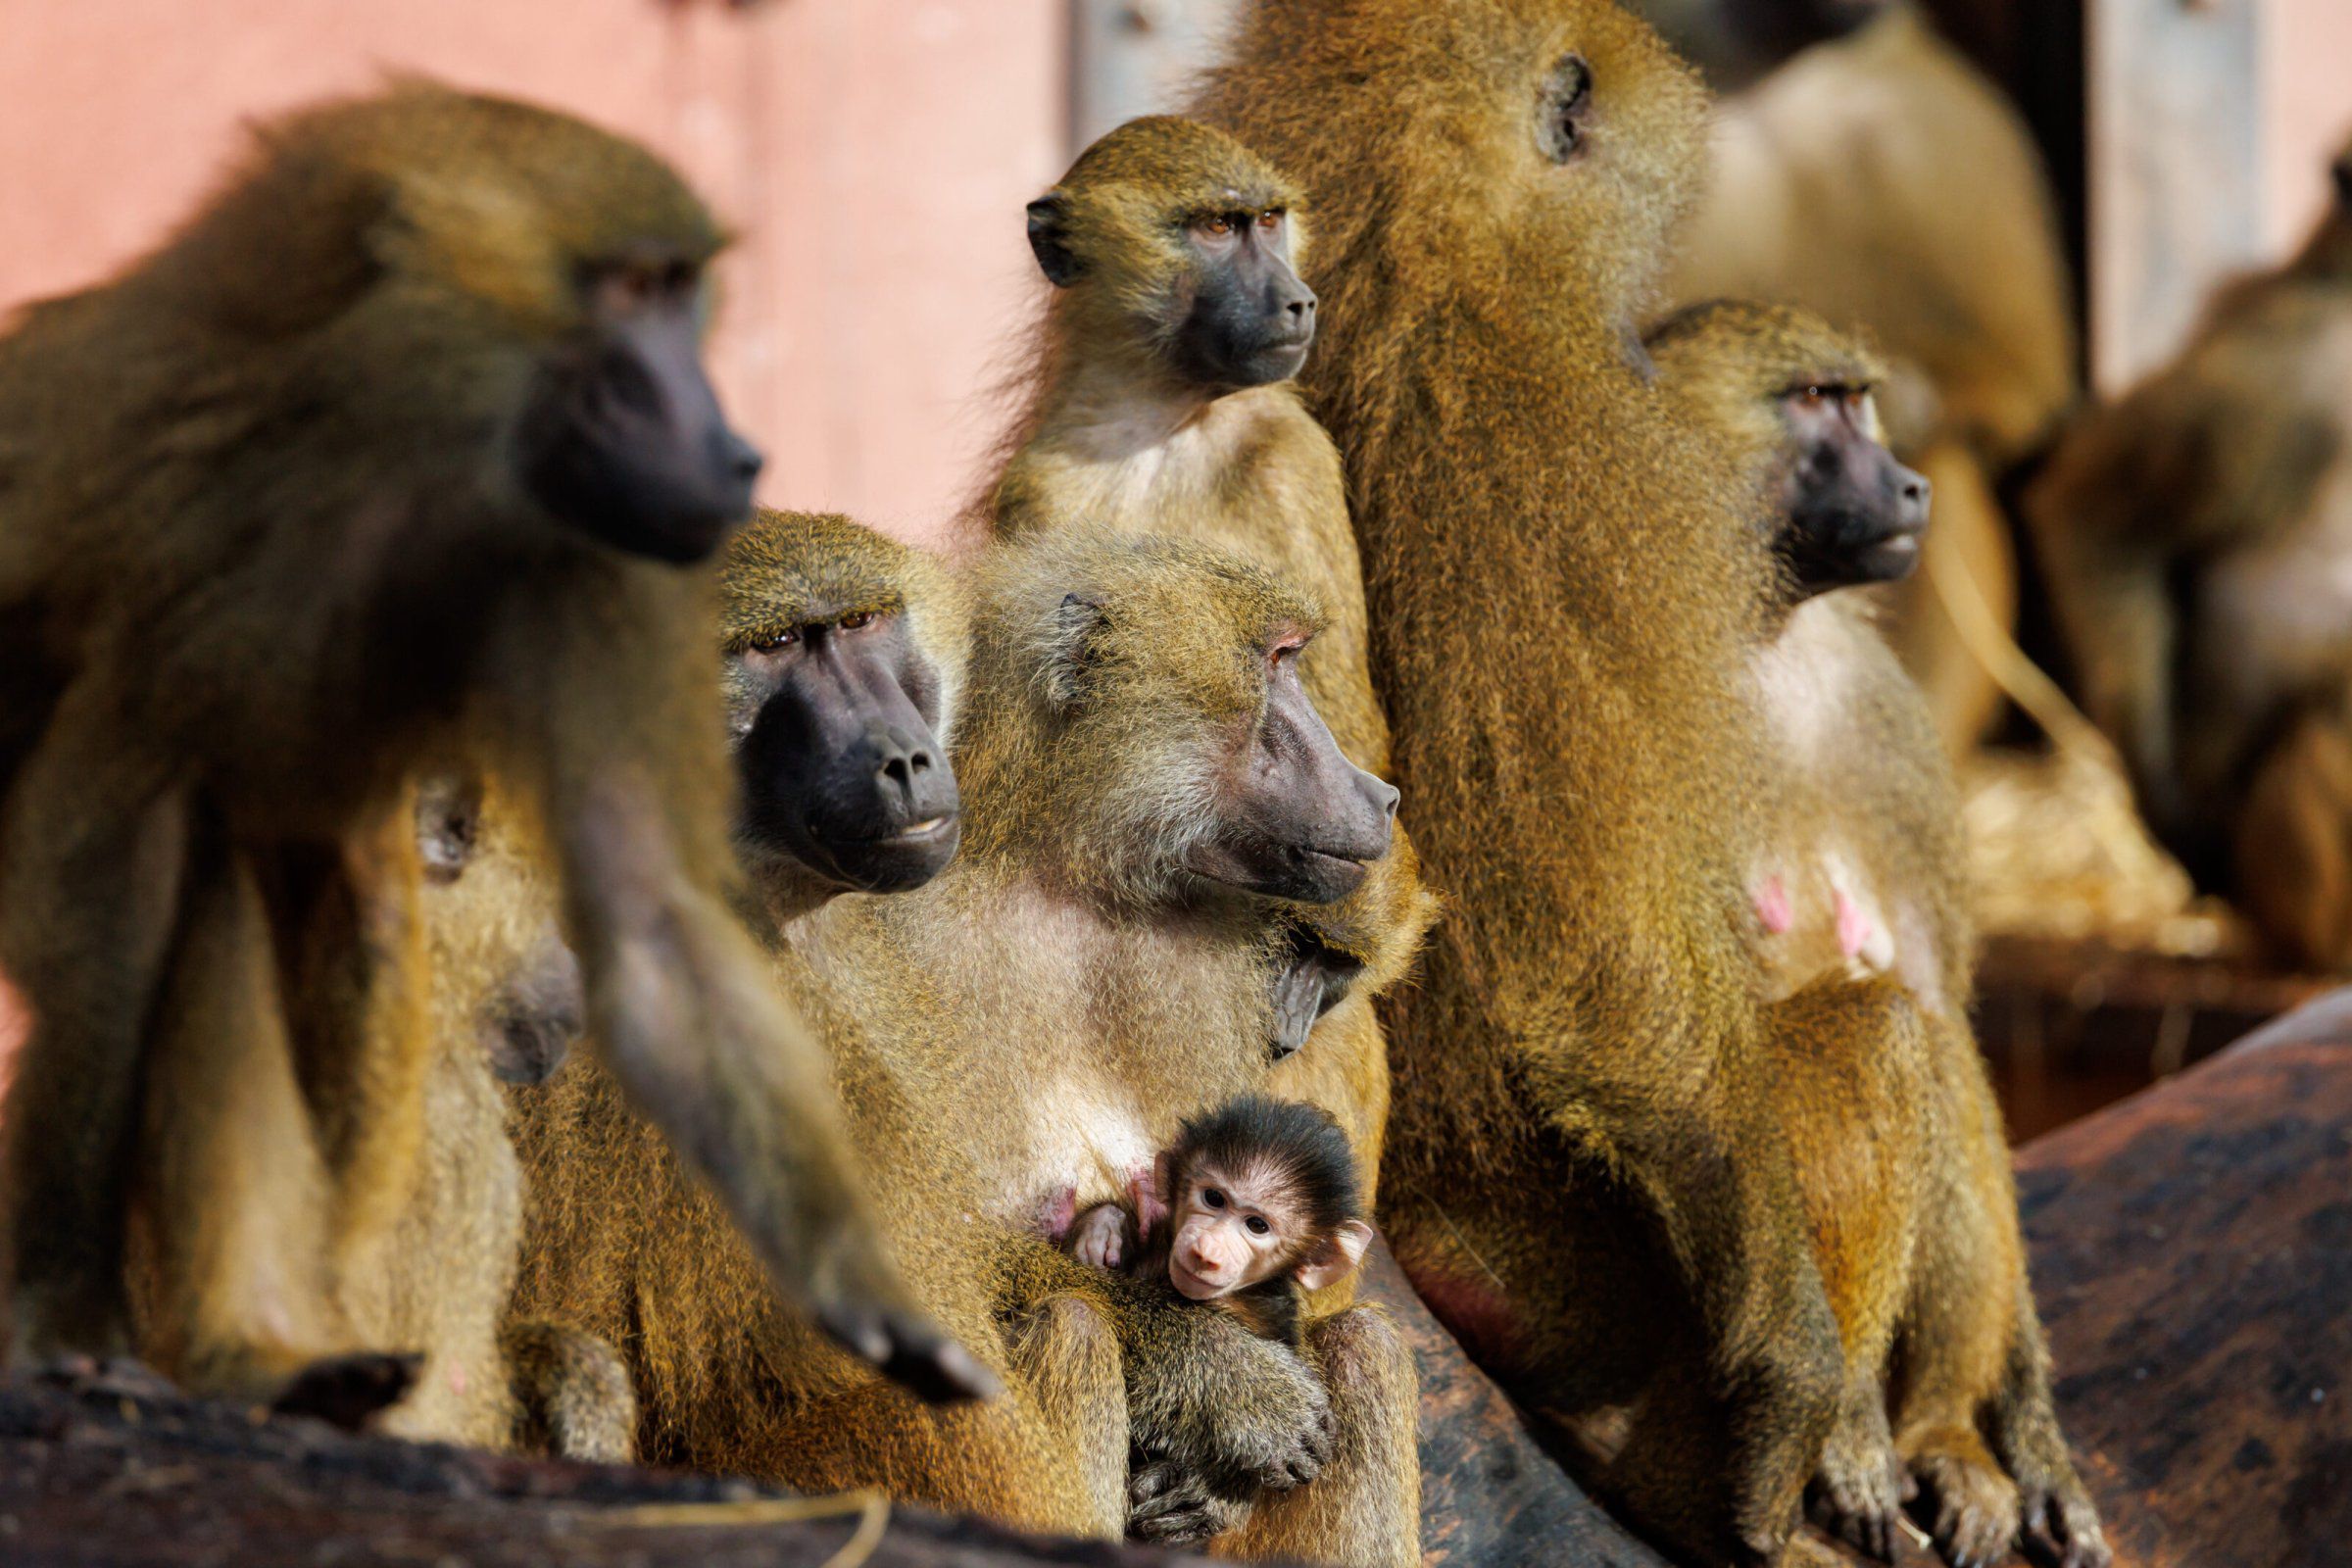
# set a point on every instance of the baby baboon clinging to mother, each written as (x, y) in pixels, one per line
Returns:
(1865, 868)
(1256, 1203)
(1161, 401)
(1015, 1036)
(394, 458)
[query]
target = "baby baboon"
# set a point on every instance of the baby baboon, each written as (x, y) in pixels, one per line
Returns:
(393, 457)
(1256, 1203)
(1865, 872)
(1162, 404)
(2195, 535)
(1561, 639)
(1069, 965)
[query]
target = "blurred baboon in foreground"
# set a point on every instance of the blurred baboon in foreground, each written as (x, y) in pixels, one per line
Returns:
(1864, 869)
(396, 457)
(1882, 181)
(1010, 1040)
(2197, 535)
(1163, 403)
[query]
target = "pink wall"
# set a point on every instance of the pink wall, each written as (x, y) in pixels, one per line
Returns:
(876, 157)
(2307, 110)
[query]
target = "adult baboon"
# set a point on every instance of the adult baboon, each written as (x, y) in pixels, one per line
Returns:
(399, 451)
(1561, 638)
(1863, 870)
(1882, 181)
(2196, 538)
(1162, 403)
(1010, 1040)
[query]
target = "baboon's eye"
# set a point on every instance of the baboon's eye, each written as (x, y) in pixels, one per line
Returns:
(1257, 1225)
(782, 639)
(1219, 226)
(1566, 108)
(857, 621)
(1271, 217)
(1212, 1198)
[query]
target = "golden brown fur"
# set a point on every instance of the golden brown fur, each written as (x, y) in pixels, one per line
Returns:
(1867, 866)
(1011, 1038)
(1115, 437)
(264, 545)
(1561, 638)
(439, 1281)
(2195, 533)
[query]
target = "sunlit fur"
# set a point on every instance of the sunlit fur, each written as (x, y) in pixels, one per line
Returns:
(1561, 641)
(1110, 436)
(1019, 1032)
(1866, 830)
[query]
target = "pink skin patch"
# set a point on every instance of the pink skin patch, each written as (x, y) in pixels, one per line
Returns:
(1056, 1211)
(1143, 1190)
(1773, 909)
(1854, 929)
(457, 1379)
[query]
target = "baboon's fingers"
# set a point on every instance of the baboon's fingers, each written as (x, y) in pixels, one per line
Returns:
(345, 1391)
(1176, 1507)
(910, 1352)
(2063, 1531)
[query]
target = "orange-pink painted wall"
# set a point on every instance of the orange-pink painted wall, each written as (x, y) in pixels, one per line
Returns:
(875, 155)
(2307, 110)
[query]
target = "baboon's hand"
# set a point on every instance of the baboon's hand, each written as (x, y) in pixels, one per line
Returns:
(1217, 1401)
(861, 1303)
(2062, 1527)
(1177, 1507)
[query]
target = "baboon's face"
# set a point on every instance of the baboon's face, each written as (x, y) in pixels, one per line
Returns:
(1854, 514)
(835, 719)
(1292, 816)
(623, 438)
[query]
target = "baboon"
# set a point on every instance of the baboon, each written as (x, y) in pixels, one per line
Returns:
(1882, 181)
(1014, 1039)
(1161, 401)
(504, 1004)
(1256, 1203)
(1560, 639)
(2194, 537)
(1865, 870)
(398, 454)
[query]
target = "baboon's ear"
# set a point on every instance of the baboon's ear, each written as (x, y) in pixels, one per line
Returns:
(449, 818)
(1338, 1258)
(1050, 240)
(1077, 621)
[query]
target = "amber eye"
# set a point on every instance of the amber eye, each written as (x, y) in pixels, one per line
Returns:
(1271, 217)
(1216, 225)
(1212, 1198)
(783, 638)
(1257, 1225)
(857, 621)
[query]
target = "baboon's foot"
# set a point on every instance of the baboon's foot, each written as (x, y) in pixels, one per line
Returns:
(1967, 1504)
